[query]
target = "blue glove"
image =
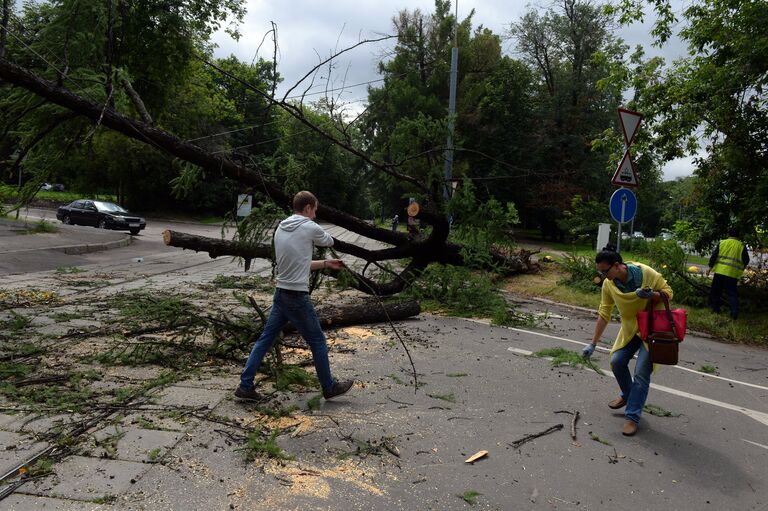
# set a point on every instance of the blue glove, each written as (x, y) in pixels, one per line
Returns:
(588, 350)
(645, 292)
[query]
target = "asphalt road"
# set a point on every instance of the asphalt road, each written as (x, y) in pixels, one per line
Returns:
(482, 391)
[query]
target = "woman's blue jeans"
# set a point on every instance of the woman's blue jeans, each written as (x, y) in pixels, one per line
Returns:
(293, 306)
(634, 391)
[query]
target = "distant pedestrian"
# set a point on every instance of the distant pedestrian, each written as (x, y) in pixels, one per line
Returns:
(395, 221)
(728, 261)
(628, 286)
(295, 239)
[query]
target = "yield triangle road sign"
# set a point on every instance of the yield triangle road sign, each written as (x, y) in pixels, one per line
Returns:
(626, 175)
(630, 121)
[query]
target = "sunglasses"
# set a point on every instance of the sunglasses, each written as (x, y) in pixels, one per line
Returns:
(604, 273)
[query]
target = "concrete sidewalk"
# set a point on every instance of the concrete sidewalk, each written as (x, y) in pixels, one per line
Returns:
(16, 238)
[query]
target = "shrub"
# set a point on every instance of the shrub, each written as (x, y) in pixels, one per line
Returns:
(582, 273)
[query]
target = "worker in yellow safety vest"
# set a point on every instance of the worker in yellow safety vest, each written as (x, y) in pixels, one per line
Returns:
(727, 262)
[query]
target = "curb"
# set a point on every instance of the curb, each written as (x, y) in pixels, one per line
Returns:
(80, 249)
(95, 247)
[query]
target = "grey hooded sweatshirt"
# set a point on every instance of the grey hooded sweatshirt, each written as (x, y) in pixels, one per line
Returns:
(295, 239)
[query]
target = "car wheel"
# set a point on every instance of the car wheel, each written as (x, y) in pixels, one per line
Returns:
(135, 231)
(66, 220)
(102, 224)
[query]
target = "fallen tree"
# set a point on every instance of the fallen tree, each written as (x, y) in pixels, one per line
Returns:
(420, 253)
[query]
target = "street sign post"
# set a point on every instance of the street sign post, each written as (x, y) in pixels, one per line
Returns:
(623, 206)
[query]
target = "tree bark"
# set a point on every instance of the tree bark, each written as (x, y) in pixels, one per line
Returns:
(364, 314)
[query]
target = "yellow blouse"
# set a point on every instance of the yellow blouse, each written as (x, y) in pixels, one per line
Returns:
(629, 304)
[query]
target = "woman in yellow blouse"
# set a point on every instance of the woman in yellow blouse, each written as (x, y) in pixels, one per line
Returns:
(628, 286)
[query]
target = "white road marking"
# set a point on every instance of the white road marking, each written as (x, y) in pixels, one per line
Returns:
(520, 351)
(761, 417)
(606, 350)
(754, 414)
(755, 443)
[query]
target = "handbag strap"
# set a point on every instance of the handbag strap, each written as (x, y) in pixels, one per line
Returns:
(670, 318)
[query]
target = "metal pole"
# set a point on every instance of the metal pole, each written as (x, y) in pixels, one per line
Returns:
(623, 213)
(451, 108)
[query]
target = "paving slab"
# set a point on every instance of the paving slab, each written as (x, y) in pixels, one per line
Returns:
(16, 449)
(190, 397)
(136, 444)
(21, 502)
(84, 478)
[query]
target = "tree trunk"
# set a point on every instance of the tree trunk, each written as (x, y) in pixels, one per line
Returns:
(366, 313)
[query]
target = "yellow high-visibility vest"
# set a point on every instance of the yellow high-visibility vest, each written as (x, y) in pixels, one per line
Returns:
(729, 258)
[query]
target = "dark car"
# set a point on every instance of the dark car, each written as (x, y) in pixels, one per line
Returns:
(104, 215)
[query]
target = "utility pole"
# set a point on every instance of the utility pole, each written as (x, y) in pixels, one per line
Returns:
(451, 107)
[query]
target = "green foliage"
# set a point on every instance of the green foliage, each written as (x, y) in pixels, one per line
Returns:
(456, 375)
(16, 324)
(40, 227)
(582, 219)
(42, 467)
(459, 290)
(142, 307)
(597, 439)
(480, 225)
(154, 454)
(57, 398)
(287, 375)
(470, 497)
(561, 356)
(250, 282)
(451, 398)
(314, 402)
(708, 369)
(257, 446)
(14, 370)
(658, 411)
(581, 271)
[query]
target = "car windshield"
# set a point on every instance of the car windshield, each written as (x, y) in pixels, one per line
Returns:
(109, 207)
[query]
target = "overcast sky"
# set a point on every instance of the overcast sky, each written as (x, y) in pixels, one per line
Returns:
(310, 30)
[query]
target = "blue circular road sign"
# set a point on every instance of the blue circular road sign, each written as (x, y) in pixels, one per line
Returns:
(623, 205)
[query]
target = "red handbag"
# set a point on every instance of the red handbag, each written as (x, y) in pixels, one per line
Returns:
(663, 330)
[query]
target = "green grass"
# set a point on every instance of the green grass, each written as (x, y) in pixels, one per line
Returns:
(40, 227)
(751, 327)
(708, 369)
(154, 454)
(456, 375)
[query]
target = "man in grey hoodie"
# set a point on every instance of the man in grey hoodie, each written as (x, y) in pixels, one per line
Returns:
(295, 239)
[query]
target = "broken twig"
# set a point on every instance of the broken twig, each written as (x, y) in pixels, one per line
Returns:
(528, 438)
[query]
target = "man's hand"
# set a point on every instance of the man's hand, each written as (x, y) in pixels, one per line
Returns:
(645, 293)
(588, 350)
(334, 264)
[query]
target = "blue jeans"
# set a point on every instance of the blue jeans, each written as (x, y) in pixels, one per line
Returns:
(635, 392)
(295, 307)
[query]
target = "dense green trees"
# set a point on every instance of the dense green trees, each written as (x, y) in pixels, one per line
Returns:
(714, 101)
(537, 129)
